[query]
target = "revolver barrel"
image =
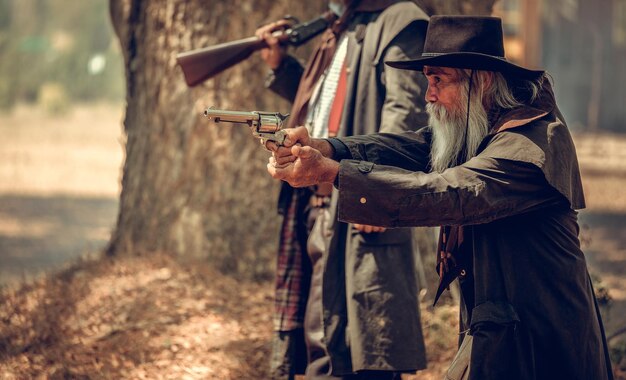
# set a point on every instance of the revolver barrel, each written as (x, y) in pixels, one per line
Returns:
(264, 125)
(231, 116)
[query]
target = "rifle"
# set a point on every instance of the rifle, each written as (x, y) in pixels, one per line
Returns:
(201, 64)
(265, 125)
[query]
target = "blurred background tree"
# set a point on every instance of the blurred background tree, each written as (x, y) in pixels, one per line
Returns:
(56, 52)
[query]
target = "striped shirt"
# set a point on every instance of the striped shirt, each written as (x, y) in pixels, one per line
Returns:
(324, 93)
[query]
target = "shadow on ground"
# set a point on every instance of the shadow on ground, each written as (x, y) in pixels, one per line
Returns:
(40, 234)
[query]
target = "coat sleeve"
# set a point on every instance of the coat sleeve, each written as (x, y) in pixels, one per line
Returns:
(480, 191)
(404, 106)
(284, 81)
(408, 150)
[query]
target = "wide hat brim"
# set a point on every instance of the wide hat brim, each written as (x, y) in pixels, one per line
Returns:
(466, 42)
(471, 61)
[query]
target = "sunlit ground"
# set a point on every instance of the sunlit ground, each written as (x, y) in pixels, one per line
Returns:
(78, 154)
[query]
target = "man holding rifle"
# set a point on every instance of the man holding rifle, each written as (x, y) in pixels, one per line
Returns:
(498, 169)
(350, 290)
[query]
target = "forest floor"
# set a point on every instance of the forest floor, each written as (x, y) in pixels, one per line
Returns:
(154, 318)
(159, 317)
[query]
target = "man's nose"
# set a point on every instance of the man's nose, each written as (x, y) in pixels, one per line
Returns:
(431, 95)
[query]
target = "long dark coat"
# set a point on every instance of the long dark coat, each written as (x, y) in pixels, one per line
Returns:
(530, 304)
(370, 279)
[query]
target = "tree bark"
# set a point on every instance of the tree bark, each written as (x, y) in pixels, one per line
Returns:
(190, 187)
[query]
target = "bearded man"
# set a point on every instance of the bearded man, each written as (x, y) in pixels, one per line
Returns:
(497, 169)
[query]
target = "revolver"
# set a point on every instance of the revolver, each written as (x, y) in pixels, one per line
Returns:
(265, 125)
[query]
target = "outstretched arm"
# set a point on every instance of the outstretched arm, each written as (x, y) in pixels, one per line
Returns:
(480, 191)
(409, 150)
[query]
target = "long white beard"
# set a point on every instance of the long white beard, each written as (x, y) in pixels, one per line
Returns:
(448, 128)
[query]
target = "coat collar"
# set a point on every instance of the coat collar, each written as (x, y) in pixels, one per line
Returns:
(520, 116)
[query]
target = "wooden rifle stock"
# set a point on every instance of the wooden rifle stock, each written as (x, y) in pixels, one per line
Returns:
(201, 64)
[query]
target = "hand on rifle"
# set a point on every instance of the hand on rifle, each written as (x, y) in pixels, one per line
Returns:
(302, 161)
(274, 53)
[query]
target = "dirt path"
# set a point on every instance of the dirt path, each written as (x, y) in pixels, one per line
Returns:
(140, 318)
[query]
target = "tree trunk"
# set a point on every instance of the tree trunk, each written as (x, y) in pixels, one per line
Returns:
(191, 187)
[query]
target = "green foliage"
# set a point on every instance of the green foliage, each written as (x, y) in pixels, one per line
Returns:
(54, 41)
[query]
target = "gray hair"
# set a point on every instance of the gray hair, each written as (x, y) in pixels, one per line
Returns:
(502, 93)
(458, 131)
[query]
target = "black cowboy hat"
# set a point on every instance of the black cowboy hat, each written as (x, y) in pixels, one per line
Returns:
(466, 42)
